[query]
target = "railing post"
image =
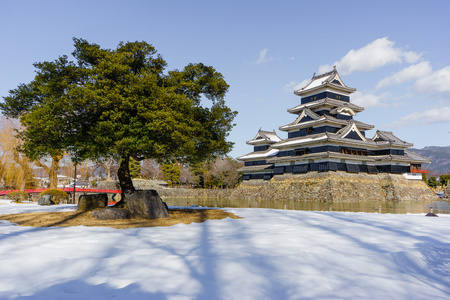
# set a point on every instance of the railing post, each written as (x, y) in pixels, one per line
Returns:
(74, 183)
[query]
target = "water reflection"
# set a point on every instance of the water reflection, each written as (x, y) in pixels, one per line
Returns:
(392, 207)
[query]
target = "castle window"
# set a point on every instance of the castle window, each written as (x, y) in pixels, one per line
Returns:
(300, 152)
(354, 152)
(416, 167)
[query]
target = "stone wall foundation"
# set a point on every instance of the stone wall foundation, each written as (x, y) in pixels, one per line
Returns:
(336, 187)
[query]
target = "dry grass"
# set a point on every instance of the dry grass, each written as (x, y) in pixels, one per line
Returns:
(67, 219)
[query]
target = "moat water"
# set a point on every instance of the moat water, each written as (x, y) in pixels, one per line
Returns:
(390, 207)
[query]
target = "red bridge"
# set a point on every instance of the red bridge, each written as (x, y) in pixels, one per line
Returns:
(67, 190)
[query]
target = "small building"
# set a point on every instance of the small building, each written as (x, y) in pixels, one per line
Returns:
(325, 136)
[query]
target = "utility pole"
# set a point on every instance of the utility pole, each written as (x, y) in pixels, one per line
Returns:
(74, 183)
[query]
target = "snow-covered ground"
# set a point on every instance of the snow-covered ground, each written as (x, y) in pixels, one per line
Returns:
(269, 254)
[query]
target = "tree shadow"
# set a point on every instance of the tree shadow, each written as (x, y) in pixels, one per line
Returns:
(78, 289)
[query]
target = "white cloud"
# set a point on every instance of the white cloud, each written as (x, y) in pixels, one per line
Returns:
(412, 57)
(367, 100)
(374, 55)
(293, 86)
(326, 68)
(435, 84)
(431, 116)
(408, 74)
(263, 58)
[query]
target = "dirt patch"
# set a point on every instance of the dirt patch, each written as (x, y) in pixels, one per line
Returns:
(67, 219)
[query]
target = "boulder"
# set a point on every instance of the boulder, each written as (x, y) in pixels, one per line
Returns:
(93, 201)
(46, 200)
(145, 204)
(446, 192)
(110, 214)
(430, 214)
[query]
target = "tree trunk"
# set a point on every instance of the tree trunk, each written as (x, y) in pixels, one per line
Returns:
(53, 171)
(23, 173)
(22, 179)
(45, 167)
(125, 182)
(108, 170)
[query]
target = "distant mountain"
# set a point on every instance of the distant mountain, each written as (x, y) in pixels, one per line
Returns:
(440, 159)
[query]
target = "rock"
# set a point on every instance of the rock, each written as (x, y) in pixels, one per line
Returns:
(446, 192)
(46, 200)
(91, 202)
(430, 214)
(145, 204)
(110, 214)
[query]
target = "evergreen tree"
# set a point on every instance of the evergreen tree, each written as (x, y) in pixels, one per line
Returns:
(171, 173)
(425, 177)
(444, 178)
(135, 168)
(118, 103)
(41, 107)
(432, 181)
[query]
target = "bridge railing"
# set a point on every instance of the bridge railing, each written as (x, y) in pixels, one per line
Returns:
(67, 190)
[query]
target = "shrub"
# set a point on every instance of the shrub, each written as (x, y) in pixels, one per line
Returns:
(17, 196)
(57, 195)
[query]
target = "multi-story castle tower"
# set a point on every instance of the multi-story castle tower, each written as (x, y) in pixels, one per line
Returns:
(326, 137)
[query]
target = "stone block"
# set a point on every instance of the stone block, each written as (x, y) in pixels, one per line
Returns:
(91, 202)
(110, 214)
(46, 200)
(145, 204)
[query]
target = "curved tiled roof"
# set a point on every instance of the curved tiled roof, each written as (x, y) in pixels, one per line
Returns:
(331, 79)
(264, 137)
(387, 136)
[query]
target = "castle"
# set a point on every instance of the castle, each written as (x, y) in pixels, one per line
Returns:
(325, 137)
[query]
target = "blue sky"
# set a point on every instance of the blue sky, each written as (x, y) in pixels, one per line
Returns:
(395, 53)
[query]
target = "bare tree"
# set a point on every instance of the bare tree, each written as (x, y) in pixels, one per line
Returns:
(186, 176)
(107, 165)
(15, 168)
(51, 170)
(223, 172)
(66, 166)
(151, 169)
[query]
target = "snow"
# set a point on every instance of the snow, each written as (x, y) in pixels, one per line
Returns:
(302, 124)
(315, 83)
(269, 153)
(301, 141)
(269, 254)
(272, 136)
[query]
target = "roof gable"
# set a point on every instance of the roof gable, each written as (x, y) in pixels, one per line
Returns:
(351, 131)
(305, 116)
(388, 136)
(344, 110)
(331, 79)
(264, 137)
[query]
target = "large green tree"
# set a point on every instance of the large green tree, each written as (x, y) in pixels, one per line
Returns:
(171, 173)
(444, 178)
(120, 103)
(40, 105)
